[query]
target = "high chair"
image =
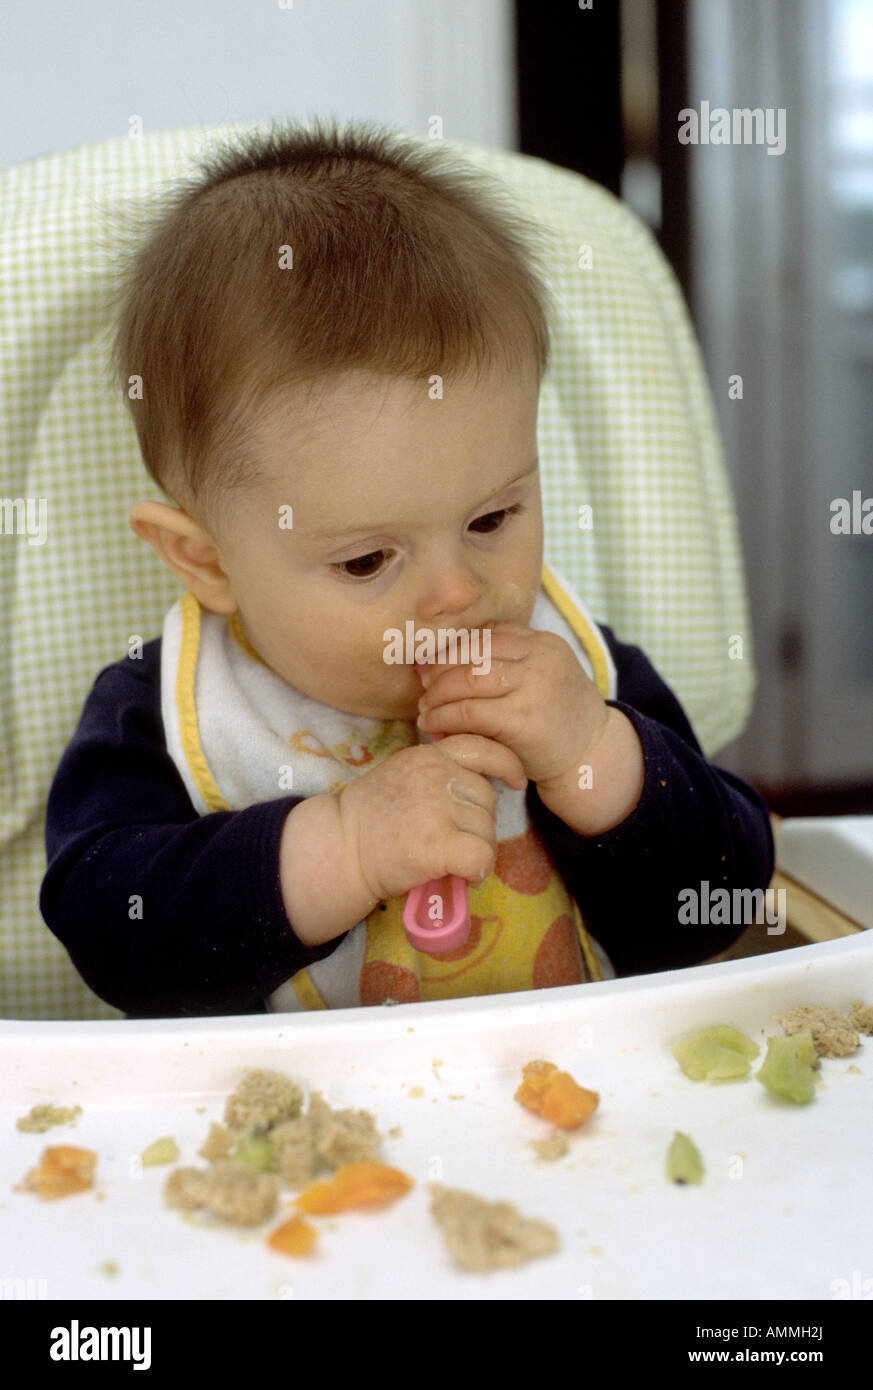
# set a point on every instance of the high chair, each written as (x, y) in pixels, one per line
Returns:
(639, 513)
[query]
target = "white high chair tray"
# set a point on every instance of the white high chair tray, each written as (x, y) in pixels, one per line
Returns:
(833, 856)
(783, 1211)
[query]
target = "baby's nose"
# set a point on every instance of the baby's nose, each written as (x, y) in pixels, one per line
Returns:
(450, 592)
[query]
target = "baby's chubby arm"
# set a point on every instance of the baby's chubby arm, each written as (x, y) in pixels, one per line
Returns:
(163, 911)
(599, 790)
(422, 813)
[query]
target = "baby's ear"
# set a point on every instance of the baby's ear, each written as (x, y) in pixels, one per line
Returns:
(146, 517)
(187, 550)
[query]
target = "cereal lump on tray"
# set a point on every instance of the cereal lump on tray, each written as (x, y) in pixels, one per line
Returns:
(861, 1016)
(266, 1142)
(555, 1145)
(482, 1235)
(42, 1117)
(834, 1034)
(227, 1189)
(263, 1098)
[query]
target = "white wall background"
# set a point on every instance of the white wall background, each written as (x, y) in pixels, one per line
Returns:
(76, 73)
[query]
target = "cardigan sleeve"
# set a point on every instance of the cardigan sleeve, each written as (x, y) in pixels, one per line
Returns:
(696, 827)
(163, 912)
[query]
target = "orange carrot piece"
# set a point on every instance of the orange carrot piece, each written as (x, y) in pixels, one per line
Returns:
(555, 1096)
(62, 1170)
(293, 1237)
(537, 1076)
(354, 1185)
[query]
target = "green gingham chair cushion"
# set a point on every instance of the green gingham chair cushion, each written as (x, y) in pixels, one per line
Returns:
(626, 428)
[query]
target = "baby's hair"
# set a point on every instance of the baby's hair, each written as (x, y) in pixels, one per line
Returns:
(398, 259)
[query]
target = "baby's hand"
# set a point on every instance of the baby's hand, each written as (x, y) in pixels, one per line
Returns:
(425, 812)
(535, 699)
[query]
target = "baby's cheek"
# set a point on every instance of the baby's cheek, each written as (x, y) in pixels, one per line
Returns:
(516, 603)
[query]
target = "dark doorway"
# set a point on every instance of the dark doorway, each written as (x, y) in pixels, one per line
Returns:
(577, 72)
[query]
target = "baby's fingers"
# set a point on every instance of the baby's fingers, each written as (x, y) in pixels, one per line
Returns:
(485, 756)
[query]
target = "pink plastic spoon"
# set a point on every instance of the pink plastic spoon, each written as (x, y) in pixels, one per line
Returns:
(436, 917)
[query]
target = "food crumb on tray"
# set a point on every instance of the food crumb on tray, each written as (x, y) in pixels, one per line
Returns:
(342, 1136)
(227, 1189)
(263, 1098)
(684, 1163)
(354, 1185)
(164, 1150)
(482, 1235)
(834, 1034)
(555, 1145)
(42, 1117)
(555, 1096)
(62, 1170)
(861, 1016)
(218, 1142)
(715, 1054)
(789, 1069)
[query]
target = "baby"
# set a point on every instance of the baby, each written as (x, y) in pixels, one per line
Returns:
(332, 348)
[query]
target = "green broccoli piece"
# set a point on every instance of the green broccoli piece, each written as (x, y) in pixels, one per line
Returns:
(719, 1053)
(255, 1151)
(787, 1070)
(684, 1164)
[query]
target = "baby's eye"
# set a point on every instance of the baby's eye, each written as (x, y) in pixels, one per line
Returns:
(368, 566)
(364, 566)
(492, 521)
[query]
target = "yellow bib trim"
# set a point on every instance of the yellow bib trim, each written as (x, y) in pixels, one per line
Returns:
(306, 991)
(188, 730)
(582, 628)
(243, 642)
